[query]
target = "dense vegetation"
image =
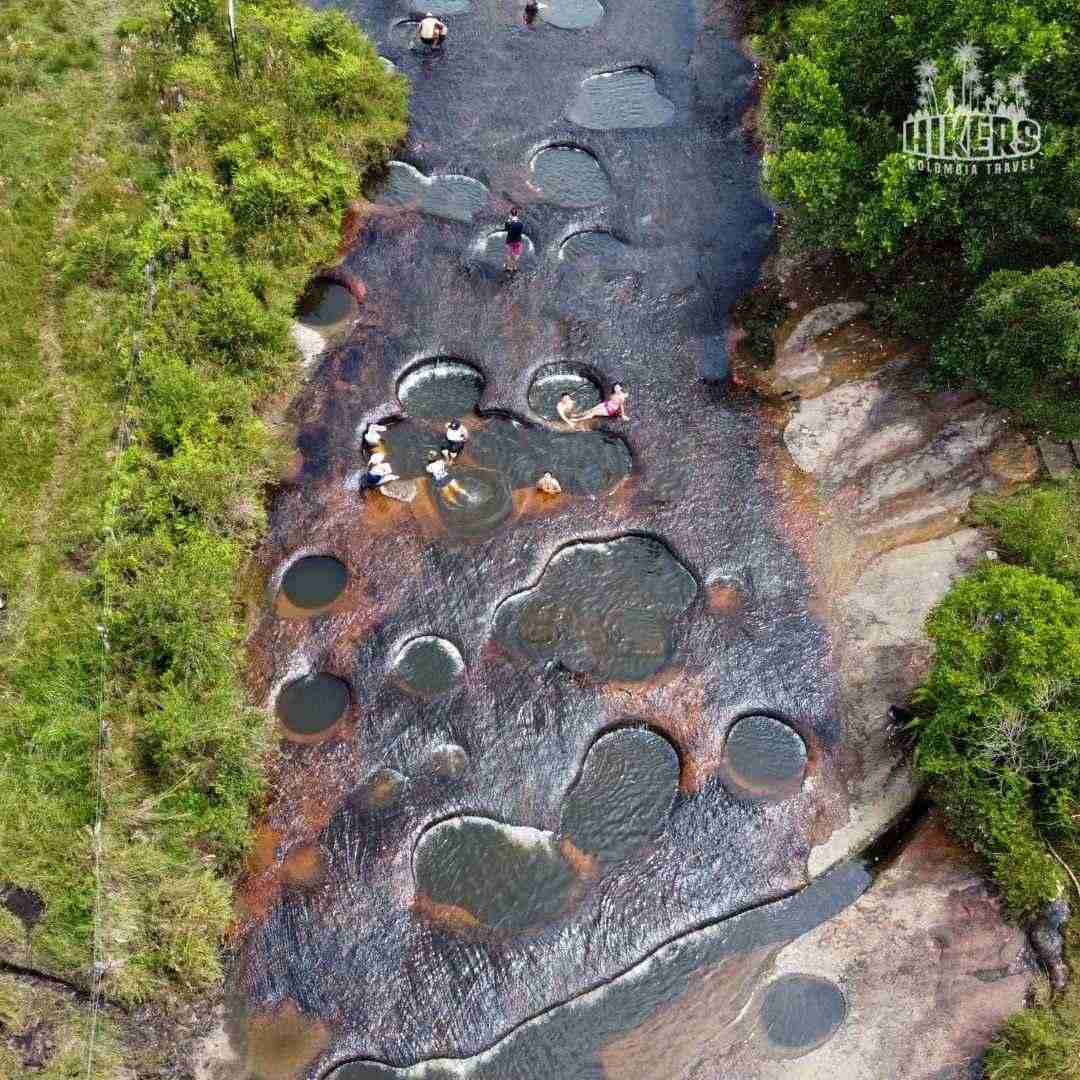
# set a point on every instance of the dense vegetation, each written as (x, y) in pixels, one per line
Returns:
(842, 81)
(167, 223)
(998, 737)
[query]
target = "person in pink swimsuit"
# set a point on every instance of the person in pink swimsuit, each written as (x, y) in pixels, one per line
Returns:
(614, 407)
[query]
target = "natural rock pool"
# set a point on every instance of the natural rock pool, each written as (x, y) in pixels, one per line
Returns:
(563, 801)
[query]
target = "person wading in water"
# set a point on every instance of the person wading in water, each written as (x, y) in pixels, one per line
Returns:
(615, 406)
(515, 239)
(431, 33)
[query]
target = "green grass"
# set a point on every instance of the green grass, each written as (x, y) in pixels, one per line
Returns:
(134, 476)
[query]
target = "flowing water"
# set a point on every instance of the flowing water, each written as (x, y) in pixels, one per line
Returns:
(560, 800)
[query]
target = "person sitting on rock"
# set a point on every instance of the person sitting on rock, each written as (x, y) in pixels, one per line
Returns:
(431, 32)
(614, 406)
(457, 435)
(549, 485)
(379, 472)
(565, 407)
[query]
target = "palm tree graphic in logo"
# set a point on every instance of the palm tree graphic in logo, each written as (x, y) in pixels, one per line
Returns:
(968, 122)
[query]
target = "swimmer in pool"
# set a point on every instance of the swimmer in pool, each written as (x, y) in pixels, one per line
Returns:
(565, 407)
(457, 435)
(431, 33)
(549, 485)
(379, 472)
(614, 407)
(438, 468)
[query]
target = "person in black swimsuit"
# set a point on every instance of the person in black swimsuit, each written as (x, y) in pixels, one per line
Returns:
(515, 239)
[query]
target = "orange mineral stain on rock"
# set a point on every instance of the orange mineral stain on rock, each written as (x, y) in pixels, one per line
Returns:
(283, 1043)
(304, 867)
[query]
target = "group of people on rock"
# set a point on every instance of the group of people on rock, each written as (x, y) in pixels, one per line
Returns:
(380, 471)
(432, 32)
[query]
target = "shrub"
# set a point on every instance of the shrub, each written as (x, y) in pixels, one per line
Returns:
(1018, 341)
(999, 727)
(1040, 526)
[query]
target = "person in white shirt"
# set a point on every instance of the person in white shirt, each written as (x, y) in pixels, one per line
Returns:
(439, 471)
(379, 472)
(549, 485)
(565, 407)
(373, 434)
(431, 33)
(457, 435)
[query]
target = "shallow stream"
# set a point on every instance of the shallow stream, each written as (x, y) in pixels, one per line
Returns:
(553, 789)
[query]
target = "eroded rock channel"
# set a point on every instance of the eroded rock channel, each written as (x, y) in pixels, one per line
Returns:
(547, 791)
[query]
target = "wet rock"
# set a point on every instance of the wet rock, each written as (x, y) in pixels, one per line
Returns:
(883, 653)
(448, 761)
(445, 195)
(1058, 459)
(401, 490)
(925, 959)
(1046, 932)
(798, 364)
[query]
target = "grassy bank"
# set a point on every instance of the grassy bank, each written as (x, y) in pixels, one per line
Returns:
(169, 213)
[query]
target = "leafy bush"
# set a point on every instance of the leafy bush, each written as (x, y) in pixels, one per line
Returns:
(1039, 526)
(1018, 341)
(999, 727)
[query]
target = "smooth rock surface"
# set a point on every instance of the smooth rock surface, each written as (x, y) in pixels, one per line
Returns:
(929, 967)
(883, 652)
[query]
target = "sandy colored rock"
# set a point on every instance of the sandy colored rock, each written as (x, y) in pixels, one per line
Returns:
(928, 966)
(883, 652)
(309, 342)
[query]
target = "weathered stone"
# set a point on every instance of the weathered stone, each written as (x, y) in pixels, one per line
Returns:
(1075, 444)
(820, 321)
(309, 342)
(1057, 458)
(822, 425)
(883, 652)
(1015, 462)
(928, 966)
(799, 364)
(402, 490)
(957, 445)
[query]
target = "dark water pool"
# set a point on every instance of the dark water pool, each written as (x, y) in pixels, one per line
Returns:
(475, 502)
(428, 666)
(314, 582)
(607, 609)
(622, 797)
(312, 704)
(440, 389)
(593, 247)
(326, 305)
(627, 98)
(555, 380)
(504, 877)
(572, 14)
(764, 757)
(800, 1012)
(444, 195)
(570, 176)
